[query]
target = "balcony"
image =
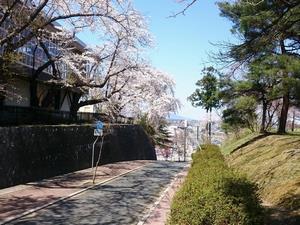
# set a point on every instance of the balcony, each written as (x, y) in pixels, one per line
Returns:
(31, 54)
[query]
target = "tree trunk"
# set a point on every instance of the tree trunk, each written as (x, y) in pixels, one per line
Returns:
(264, 117)
(284, 114)
(285, 100)
(209, 128)
(293, 121)
(73, 111)
(74, 106)
(34, 102)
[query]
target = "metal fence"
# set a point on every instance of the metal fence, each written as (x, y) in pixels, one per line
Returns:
(15, 115)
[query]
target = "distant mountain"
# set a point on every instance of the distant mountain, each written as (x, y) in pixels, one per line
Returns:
(178, 117)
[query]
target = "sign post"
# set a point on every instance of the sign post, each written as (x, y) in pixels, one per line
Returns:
(98, 132)
(99, 129)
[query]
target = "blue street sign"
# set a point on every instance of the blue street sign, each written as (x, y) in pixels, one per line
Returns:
(99, 128)
(99, 125)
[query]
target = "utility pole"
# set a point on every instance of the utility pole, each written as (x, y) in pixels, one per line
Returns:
(176, 144)
(184, 148)
(185, 125)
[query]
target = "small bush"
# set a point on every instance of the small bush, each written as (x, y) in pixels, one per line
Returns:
(213, 194)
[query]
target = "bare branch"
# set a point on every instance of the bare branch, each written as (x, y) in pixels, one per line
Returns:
(188, 5)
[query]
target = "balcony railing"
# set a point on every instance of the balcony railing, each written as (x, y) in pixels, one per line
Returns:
(15, 115)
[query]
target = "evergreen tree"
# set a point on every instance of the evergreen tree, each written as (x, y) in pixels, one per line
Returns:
(263, 84)
(240, 114)
(207, 95)
(163, 136)
(266, 28)
(158, 133)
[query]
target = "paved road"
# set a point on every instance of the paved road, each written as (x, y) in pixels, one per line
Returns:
(124, 200)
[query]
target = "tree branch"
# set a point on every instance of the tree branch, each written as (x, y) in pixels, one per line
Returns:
(182, 12)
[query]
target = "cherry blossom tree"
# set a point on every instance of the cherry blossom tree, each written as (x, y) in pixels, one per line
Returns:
(114, 73)
(25, 21)
(105, 70)
(148, 92)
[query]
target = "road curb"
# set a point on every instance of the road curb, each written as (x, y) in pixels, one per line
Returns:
(13, 218)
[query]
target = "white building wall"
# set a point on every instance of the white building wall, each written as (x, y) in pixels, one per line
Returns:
(66, 103)
(87, 108)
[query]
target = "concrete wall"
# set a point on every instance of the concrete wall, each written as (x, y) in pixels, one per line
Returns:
(31, 153)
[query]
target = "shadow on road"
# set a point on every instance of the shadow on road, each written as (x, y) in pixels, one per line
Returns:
(122, 201)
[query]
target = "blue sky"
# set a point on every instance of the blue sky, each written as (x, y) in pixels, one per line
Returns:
(183, 43)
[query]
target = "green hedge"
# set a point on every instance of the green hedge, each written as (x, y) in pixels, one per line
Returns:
(213, 194)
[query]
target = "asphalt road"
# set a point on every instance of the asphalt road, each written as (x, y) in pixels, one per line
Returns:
(124, 200)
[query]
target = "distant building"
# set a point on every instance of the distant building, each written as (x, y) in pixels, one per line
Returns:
(198, 131)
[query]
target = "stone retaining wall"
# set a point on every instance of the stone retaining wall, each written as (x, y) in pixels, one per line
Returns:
(31, 153)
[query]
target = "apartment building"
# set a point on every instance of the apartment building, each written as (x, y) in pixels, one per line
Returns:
(51, 95)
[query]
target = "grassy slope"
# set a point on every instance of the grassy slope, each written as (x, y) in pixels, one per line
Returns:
(234, 143)
(273, 162)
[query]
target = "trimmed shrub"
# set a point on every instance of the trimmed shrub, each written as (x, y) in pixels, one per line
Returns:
(214, 194)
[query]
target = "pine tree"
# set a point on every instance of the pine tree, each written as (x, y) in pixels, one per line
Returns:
(266, 28)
